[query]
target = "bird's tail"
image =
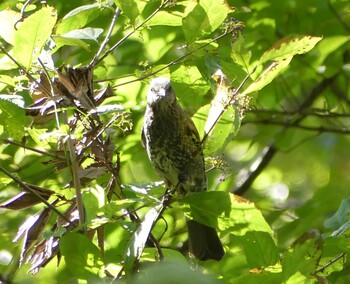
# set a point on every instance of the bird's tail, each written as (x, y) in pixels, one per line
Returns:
(204, 242)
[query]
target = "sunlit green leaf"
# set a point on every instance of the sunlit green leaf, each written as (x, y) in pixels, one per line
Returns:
(302, 258)
(232, 213)
(166, 19)
(340, 217)
(12, 119)
(173, 272)
(206, 17)
(203, 208)
(138, 241)
(129, 8)
(289, 47)
(271, 72)
(77, 18)
(63, 41)
(94, 199)
(8, 18)
(190, 87)
(87, 33)
(260, 249)
(83, 259)
(32, 35)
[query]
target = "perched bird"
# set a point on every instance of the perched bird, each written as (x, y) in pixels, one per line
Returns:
(174, 148)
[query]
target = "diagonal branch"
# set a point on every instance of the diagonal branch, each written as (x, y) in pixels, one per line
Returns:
(131, 32)
(270, 151)
(28, 189)
(320, 129)
(95, 60)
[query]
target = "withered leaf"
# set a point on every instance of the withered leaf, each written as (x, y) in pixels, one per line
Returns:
(26, 199)
(31, 230)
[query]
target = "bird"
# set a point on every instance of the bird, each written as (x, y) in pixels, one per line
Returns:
(174, 148)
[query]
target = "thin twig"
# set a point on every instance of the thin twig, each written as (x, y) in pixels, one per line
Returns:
(329, 263)
(30, 77)
(322, 113)
(269, 152)
(299, 126)
(131, 32)
(25, 5)
(28, 189)
(9, 141)
(236, 91)
(51, 93)
(176, 61)
(105, 41)
(336, 14)
(74, 167)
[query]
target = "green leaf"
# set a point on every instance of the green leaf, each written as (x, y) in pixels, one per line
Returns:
(281, 54)
(299, 278)
(163, 18)
(333, 246)
(12, 118)
(340, 217)
(138, 241)
(206, 207)
(63, 41)
(173, 272)
(260, 249)
(94, 199)
(77, 18)
(239, 54)
(205, 18)
(87, 33)
(270, 73)
(227, 211)
(8, 19)
(223, 132)
(301, 259)
(190, 87)
(32, 35)
(81, 9)
(342, 229)
(244, 217)
(114, 208)
(288, 47)
(15, 99)
(129, 8)
(328, 45)
(83, 259)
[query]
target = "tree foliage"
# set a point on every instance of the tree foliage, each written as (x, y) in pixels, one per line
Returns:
(267, 85)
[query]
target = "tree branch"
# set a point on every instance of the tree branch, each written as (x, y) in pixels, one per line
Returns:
(269, 152)
(95, 60)
(302, 127)
(329, 263)
(131, 32)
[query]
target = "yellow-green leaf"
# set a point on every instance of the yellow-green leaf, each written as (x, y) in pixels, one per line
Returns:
(268, 75)
(32, 35)
(288, 47)
(8, 19)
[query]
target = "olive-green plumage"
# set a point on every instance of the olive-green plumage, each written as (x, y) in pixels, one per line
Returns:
(174, 149)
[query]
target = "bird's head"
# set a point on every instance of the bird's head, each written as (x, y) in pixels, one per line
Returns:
(160, 93)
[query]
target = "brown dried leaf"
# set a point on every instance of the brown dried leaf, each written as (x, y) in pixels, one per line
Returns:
(43, 253)
(31, 230)
(101, 95)
(78, 83)
(220, 102)
(27, 199)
